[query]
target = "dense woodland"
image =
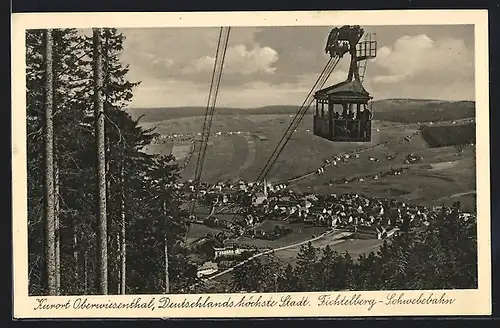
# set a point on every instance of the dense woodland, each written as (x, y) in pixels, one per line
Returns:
(449, 135)
(414, 111)
(142, 209)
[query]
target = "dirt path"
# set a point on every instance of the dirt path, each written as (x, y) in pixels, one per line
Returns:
(359, 151)
(463, 194)
(211, 212)
(189, 156)
(470, 192)
(251, 154)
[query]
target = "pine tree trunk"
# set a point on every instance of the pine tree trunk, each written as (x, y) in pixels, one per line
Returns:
(167, 280)
(113, 247)
(57, 225)
(102, 242)
(55, 101)
(76, 268)
(50, 254)
(118, 269)
(123, 244)
(85, 274)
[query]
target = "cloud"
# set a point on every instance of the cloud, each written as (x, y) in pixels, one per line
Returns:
(382, 53)
(257, 60)
(240, 60)
(158, 53)
(266, 66)
(203, 64)
(164, 63)
(161, 93)
(307, 81)
(166, 93)
(259, 92)
(419, 59)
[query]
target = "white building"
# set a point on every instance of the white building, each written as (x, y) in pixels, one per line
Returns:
(207, 268)
(227, 251)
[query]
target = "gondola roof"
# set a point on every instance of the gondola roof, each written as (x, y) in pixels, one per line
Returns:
(348, 90)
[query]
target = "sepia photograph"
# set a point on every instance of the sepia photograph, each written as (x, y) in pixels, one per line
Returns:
(251, 161)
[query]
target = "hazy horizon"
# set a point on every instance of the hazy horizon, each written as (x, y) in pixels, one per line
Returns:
(296, 105)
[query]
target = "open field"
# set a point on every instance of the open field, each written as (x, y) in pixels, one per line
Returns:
(197, 231)
(181, 151)
(421, 184)
(300, 233)
(163, 149)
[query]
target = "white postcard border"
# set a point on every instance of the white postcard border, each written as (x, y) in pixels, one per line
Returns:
(466, 302)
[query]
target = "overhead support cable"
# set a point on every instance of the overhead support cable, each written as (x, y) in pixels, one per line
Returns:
(320, 82)
(220, 56)
(212, 98)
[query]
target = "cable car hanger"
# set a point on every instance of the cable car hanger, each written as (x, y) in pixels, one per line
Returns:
(347, 116)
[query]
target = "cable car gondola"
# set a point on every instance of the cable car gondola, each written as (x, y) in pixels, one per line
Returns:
(342, 110)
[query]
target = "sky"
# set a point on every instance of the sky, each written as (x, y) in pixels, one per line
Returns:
(279, 65)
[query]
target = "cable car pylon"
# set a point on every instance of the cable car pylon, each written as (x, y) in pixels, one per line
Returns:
(362, 64)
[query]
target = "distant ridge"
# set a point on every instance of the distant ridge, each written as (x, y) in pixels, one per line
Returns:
(419, 110)
(415, 100)
(397, 110)
(160, 114)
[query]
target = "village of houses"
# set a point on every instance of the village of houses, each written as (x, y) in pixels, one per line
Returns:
(248, 211)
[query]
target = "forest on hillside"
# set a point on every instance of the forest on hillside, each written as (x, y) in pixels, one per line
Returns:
(160, 114)
(105, 218)
(449, 135)
(441, 112)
